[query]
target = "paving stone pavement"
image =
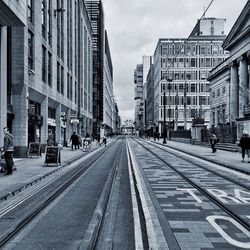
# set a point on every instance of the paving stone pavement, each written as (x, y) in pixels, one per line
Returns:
(32, 168)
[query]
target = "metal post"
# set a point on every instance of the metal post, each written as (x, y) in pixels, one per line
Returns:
(164, 121)
(185, 105)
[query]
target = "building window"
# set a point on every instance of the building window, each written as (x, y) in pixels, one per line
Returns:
(215, 50)
(30, 10)
(49, 69)
(203, 50)
(193, 62)
(44, 19)
(62, 80)
(181, 87)
(202, 64)
(177, 75)
(201, 87)
(50, 22)
(203, 75)
(208, 62)
(207, 87)
(176, 49)
(202, 100)
(58, 77)
(188, 75)
(213, 114)
(218, 92)
(51, 113)
(76, 90)
(181, 62)
(193, 87)
(43, 64)
(30, 50)
(224, 90)
(208, 49)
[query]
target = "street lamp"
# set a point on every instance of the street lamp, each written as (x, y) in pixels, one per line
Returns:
(164, 104)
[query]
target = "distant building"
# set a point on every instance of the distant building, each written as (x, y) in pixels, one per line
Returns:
(181, 69)
(96, 14)
(103, 96)
(151, 127)
(230, 82)
(138, 81)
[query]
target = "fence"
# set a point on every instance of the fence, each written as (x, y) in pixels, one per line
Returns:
(225, 134)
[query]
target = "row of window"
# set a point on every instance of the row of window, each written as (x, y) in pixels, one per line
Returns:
(191, 48)
(219, 92)
(180, 100)
(190, 62)
(174, 113)
(189, 75)
(190, 87)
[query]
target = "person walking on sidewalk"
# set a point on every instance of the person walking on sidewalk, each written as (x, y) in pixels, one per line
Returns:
(74, 140)
(8, 150)
(245, 145)
(213, 141)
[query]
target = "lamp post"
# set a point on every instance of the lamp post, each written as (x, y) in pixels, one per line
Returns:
(164, 105)
(164, 119)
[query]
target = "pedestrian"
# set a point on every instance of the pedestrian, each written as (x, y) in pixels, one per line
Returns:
(104, 140)
(245, 145)
(8, 150)
(213, 141)
(74, 140)
(79, 141)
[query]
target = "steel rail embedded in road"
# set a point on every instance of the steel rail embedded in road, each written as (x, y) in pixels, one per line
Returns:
(247, 187)
(201, 190)
(59, 185)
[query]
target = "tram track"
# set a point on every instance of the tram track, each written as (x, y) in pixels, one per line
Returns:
(17, 215)
(198, 187)
(185, 156)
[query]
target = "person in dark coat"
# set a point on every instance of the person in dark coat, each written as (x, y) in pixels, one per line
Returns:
(213, 141)
(245, 145)
(74, 140)
(8, 150)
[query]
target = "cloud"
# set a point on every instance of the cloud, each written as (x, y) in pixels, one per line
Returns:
(134, 27)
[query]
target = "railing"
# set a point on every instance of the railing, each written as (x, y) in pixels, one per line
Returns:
(180, 134)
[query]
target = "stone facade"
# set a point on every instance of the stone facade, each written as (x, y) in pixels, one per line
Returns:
(51, 73)
(234, 76)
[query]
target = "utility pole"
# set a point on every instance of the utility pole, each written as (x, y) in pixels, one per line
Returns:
(176, 108)
(185, 105)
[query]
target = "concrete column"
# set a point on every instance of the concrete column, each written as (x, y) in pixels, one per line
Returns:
(248, 62)
(58, 123)
(234, 93)
(44, 113)
(243, 85)
(3, 81)
(68, 126)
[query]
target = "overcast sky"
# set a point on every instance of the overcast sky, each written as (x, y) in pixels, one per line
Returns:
(134, 27)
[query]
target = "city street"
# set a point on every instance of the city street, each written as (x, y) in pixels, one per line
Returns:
(132, 194)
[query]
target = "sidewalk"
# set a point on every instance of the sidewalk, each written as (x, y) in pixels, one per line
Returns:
(31, 169)
(225, 158)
